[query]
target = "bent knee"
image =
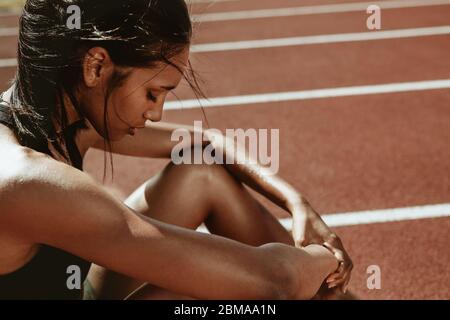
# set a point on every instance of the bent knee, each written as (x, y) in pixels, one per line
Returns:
(204, 173)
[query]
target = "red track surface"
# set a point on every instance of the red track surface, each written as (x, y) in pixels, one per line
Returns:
(345, 154)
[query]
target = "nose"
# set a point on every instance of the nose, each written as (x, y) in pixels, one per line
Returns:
(153, 115)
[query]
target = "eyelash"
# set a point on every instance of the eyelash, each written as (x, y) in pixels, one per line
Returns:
(150, 96)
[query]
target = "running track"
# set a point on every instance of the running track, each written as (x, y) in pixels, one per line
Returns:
(359, 155)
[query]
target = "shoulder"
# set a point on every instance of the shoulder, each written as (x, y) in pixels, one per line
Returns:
(19, 163)
(31, 181)
(43, 201)
(46, 201)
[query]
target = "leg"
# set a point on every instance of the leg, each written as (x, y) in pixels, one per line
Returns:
(187, 196)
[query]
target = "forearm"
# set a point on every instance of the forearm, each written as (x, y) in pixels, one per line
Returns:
(272, 187)
(248, 170)
(156, 140)
(203, 266)
(211, 267)
(262, 180)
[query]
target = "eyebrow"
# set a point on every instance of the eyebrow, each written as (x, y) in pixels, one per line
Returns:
(168, 88)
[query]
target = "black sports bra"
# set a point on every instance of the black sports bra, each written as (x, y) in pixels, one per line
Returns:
(52, 273)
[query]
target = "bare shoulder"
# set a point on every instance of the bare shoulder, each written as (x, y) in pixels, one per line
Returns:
(43, 201)
(22, 166)
(46, 201)
(33, 183)
(16, 160)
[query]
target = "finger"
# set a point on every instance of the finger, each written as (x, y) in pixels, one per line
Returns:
(343, 273)
(334, 275)
(341, 280)
(337, 277)
(340, 270)
(336, 283)
(334, 278)
(345, 286)
(337, 280)
(298, 234)
(300, 243)
(299, 240)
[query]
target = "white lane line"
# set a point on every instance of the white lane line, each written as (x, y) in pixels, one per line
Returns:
(5, 63)
(311, 10)
(9, 32)
(309, 94)
(376, 216)
(283, 12)
(321, 39)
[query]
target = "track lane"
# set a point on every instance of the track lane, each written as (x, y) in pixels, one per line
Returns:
(321, 66)
(268, 28)
(413, 257)
(239, 5)
(345, 154)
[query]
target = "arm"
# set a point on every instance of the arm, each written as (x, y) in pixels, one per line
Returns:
(154, 141)
(61, 207)
(308, 227)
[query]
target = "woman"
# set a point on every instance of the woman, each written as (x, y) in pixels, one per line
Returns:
(95, 87)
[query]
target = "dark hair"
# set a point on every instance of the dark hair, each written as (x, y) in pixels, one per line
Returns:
(136, 33)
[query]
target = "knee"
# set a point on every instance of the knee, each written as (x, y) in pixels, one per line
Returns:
(205, 174)
(301, 272)
(320, 264)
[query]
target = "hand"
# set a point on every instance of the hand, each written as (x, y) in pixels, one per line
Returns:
(309, 228)
(341, 277)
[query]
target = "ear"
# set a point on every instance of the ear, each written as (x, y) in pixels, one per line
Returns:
(97, 66)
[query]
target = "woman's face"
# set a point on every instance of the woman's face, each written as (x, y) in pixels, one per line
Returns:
(140, 96)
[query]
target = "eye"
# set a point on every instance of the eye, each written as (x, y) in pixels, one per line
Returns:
(150, 96)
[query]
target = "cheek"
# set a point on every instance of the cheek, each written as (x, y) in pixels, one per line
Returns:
(127, 109)
(122, 108)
